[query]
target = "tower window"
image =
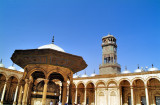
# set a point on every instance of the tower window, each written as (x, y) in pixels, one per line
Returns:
(105, 60)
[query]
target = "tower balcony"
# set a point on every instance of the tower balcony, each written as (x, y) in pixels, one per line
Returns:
(109, 65)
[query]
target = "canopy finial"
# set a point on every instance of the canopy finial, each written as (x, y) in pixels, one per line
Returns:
(138, 66)
(53, 40)
(125, 67)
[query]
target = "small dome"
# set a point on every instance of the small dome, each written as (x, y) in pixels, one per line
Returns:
(153, 68)
(2, 65)
(51, 46)
(12, 68)
(84, 75)
(21, 70)
(76, 76)
(126, 71)
(92, 75)
(138, 70)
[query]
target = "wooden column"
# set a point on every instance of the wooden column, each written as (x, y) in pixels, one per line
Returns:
(44, 92)
(3, 93)
(15, 96)
(20, 96)
(24, 102)
(64, 84)
(70, 94)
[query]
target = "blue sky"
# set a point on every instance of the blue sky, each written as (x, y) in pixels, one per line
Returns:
(79, 25)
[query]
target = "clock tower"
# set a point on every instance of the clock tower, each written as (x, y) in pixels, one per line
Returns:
(109, 56)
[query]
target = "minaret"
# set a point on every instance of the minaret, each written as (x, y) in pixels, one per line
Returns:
(109, 56)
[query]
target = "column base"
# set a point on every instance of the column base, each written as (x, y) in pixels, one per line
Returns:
(24, 103)
(14, 103)
(1, 103)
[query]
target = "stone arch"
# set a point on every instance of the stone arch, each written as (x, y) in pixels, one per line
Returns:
(112, 93)
(5, 75)
(112, 97)
(100, 81)
(123, 79)
(125, 91)
(57, 71)
(80, 92)
(11, 86)
(90, 82)
(90, 93)
(136, 78)
(80, 83)
(112, 81)
(152, 77)
(13, 75)
(34, 70)
(101, 96)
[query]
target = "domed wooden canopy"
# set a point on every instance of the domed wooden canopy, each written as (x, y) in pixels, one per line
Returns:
(48, 56)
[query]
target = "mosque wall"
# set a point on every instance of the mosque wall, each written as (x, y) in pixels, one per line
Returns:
(98, 90)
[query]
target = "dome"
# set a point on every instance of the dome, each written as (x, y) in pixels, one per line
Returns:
(76, 76)
(1, 64)
(126, 71)
(153, 68)
(21, 70)
(92, 75)
(12, 68)
(138, 70)
(51, 46)
(84, 75)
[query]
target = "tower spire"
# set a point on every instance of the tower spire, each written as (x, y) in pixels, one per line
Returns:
(53, 40)
(1, 61)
